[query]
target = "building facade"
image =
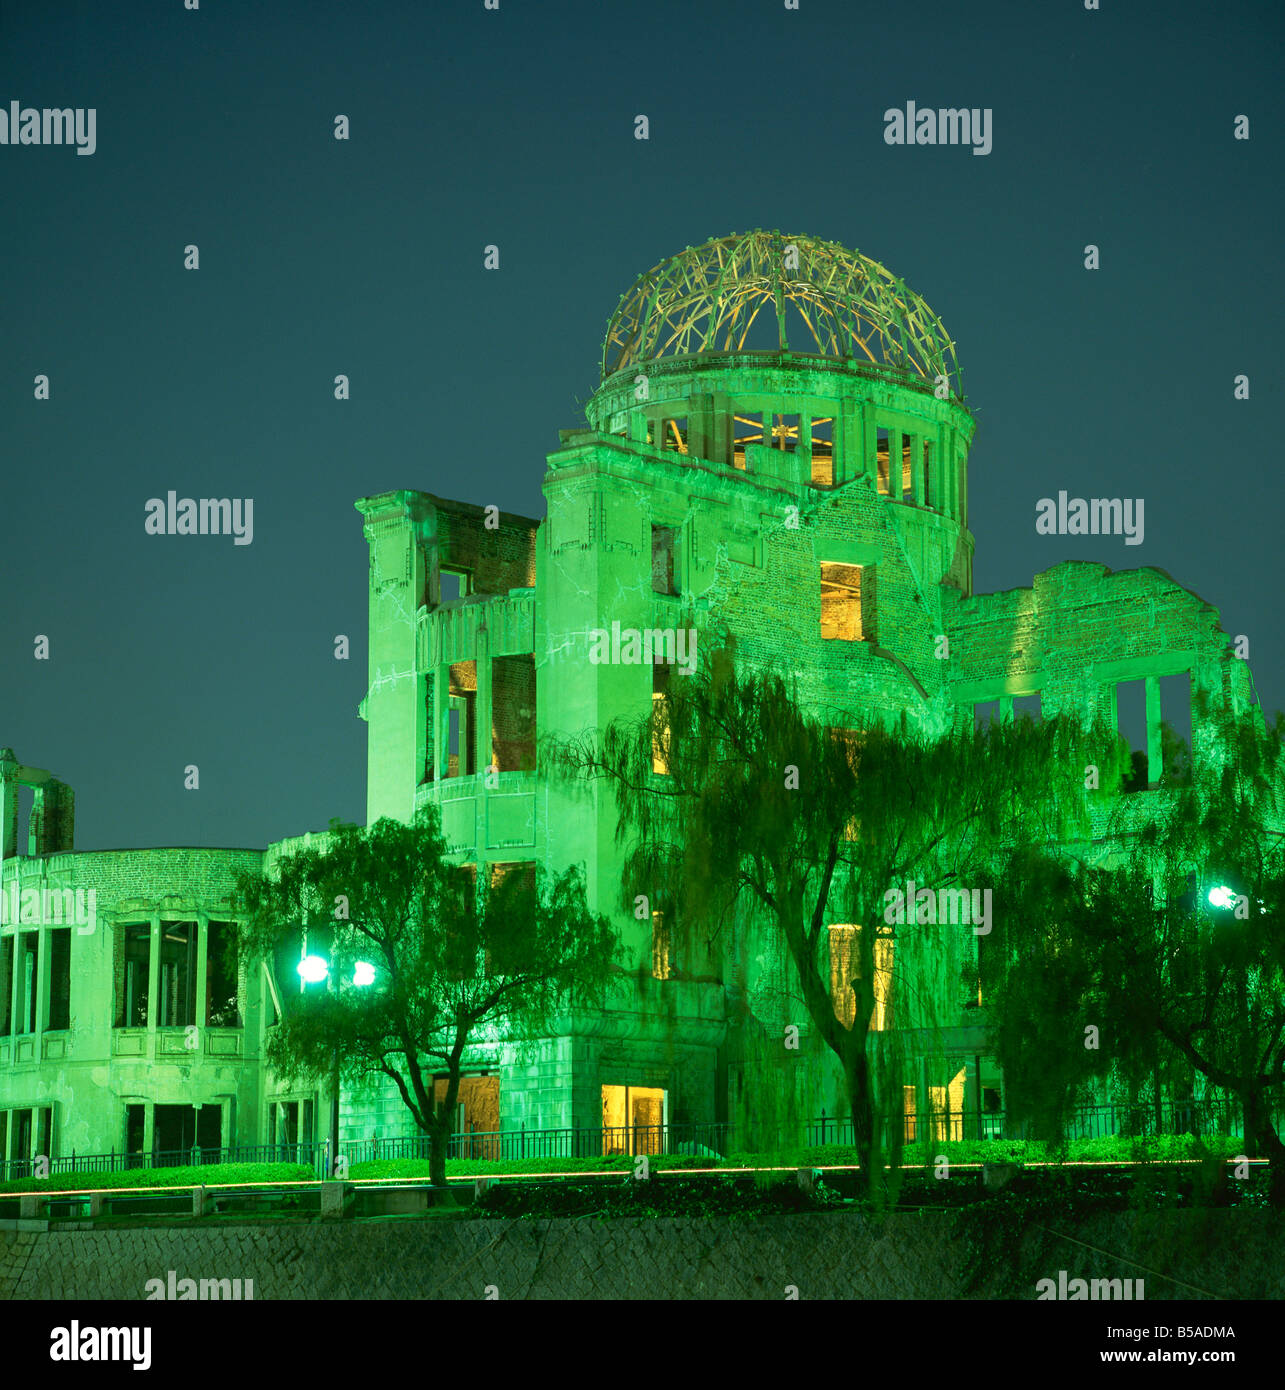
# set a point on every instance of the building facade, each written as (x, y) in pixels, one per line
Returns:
(778, 450)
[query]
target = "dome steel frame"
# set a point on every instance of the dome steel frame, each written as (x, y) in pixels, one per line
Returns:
(707, 298)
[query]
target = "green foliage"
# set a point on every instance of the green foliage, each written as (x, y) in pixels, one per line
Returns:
(767, 813)
(210, 1174)
(1129, 945)
(686, 1197)
(453, 954)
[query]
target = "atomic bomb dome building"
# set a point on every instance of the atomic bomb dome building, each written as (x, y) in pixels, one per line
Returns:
(777, 451)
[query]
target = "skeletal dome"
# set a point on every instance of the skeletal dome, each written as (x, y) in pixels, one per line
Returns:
(768, 292)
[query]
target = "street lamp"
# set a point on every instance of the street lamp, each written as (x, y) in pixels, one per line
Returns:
(312, 970)
(1221, 896)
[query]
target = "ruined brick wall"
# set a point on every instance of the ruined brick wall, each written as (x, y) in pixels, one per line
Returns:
(499, 560)
(1078, 628)
(513, 731)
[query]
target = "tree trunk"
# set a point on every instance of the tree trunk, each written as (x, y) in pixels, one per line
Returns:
(1262, 1141)
(439, 1137)
(865, 1124)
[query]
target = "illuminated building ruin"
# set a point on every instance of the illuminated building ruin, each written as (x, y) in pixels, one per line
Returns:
(779, 448)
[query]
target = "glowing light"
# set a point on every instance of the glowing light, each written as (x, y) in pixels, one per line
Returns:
(313, 969)
(1222, 896)
(363, 973)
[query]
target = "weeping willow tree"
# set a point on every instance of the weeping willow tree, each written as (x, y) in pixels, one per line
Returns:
(1164, 957)
(771, 816)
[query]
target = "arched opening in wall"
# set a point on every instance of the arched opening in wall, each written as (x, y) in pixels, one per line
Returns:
(747, 429)
(907, 466)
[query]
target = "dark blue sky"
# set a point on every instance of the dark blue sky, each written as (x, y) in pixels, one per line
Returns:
(516, 128)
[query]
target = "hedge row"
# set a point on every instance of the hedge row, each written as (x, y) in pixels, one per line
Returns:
(221, 1174)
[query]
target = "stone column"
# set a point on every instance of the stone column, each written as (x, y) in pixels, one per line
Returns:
(153, 986)
(8, 804)
(202, 963)
(1155, 761)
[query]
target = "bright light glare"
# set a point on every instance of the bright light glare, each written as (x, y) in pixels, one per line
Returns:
(313, 969)
(363, 973)
(1221, 896)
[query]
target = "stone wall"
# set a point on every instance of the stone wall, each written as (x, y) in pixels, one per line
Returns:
(1183, 1255)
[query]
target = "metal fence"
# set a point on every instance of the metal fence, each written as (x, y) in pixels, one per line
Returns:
(1203, 1118)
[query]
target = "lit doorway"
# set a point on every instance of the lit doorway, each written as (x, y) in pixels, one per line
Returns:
(634, 1119)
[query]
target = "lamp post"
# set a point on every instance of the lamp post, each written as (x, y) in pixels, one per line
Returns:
(312, 970)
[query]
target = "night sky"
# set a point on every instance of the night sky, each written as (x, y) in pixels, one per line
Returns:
(516, 127)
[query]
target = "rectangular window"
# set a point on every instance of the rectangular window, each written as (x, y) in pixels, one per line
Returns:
(6, 985)
(823, 452)
(674, 435)
(930, 497)
(662, 961)
(633, 1119)
(135, 1120)
(843, 972)
(1175, 729)
(985, 713)
(475, 1132)
(1131, 725)
(746, 430)
(60, 979)
(178, 974)
(20, 1136)
(28, 979)
(850, 740)
(1027, 707)
(513, 735)
(907, 467)
(133, 962)
(882, 449)
(845, 967)
(785, 433)
(179, 1128)
(908, 1105)
(462, 720)
(842, 618)
(663, 563)
(660, 673)
(947, 1104)
(222, 992)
